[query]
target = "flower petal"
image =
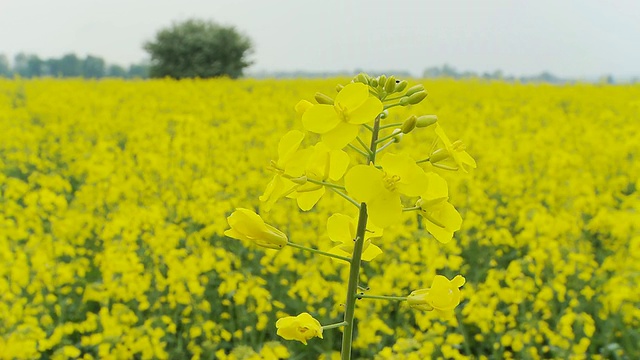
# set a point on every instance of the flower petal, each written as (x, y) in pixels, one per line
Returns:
(308, 199)
(341, 135)
(366, 112)
(352, 96)
(320, 118)
(413, 181)
(437, 188)
(339, 162)
(385, 209)
(340, 228)
(364, 182)
(371, 252)
(288, 146)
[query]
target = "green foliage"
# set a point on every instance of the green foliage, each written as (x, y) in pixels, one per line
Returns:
(197, 48)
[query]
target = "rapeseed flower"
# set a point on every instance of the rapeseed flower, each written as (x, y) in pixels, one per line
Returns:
(342, 228)
(454, 151)
(301, 328)
(443, 295)
(246, 225)
(442, 219)
(381, 189)
(340, 123)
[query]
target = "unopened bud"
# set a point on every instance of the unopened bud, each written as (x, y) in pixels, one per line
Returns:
(404, 101)
(384, 114)
(339, 87)
(409, 124)
(323, 99)
(426, 120)
(414, 89)
(390, 84)
(382, 79)
(299, 180)
(417, 97)
(398, 135)
(374, 83)
(363, 78)
(401, 85)
(438, 155)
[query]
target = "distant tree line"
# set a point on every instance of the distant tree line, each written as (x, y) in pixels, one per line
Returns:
(69, 65)
(447, 71)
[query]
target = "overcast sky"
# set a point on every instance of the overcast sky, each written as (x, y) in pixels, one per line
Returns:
(582, 38)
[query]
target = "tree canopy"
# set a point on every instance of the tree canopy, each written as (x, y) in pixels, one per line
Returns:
(197, 48)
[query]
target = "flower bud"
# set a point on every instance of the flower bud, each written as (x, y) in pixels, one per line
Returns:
(438, 155)
(426, 120)
(382, 79)
(414, 89)
(246, 225)
(384, 114)
(363, 78)
(390, 84)
(404, 101)
(417, 97)
(323, 99)
(398, 135)
(409, 124)
(374, 82)
(339, 87)
(418, 300)
(401, 85)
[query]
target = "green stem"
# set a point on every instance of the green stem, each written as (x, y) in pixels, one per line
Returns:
(386, 137)
(381, 297)
(327, 184)
(411, 208)
(390, 125)
(394, 98)
(345, 196)
(358, 150)
(354, 270)
(368, 127)
(391, 105)
(364, 145)
(422, 161)
(318, 251)
(385, 146)
(333, 326)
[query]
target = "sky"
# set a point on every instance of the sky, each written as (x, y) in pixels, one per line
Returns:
(578, 39)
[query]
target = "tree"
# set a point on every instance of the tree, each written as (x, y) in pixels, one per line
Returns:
(139, 71)
(70, 66)
(197, 48)
(5, 69)
(116, 71)
(93, 67)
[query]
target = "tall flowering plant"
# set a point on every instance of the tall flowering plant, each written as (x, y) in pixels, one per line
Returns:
(378, 186)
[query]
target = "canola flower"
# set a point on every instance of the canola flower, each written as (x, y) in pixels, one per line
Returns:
(304, 174)
(114, 197)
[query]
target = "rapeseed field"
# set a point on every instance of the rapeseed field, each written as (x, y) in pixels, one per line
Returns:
(114, 198)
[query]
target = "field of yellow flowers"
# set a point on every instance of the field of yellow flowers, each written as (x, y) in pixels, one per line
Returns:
(114, 197)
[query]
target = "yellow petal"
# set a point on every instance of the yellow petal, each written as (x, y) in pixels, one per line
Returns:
(341, 135)
(366, 112)
(288, 146)
(385, 209)
(340, 228)
(339, 163)
(352, 96)
(413, 180)
(446, 215)
(371, 252)
(246, 222)
(338, 250)
(320, 119)
(364, 182)
(307, 200)
(458, 281)
(302, 106)
(437, 188)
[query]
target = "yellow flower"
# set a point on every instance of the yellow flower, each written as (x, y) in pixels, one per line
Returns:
(442, 218)
(247, 225)
(381, 189)
(342, 228)
(454, 151)
(302, 328)
(443, 296)
(339, 123)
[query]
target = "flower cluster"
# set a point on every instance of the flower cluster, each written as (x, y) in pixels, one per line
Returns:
(378, 185)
